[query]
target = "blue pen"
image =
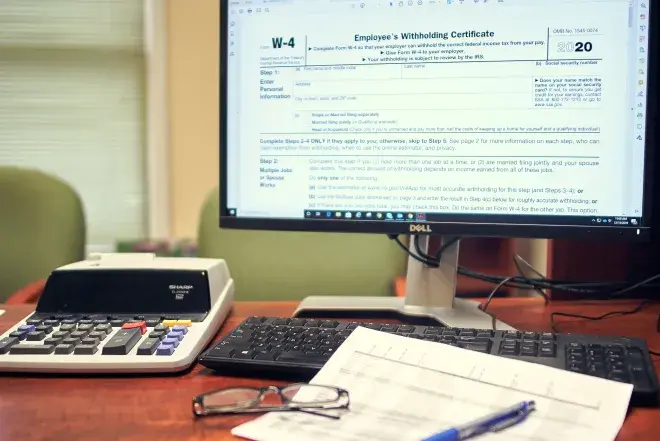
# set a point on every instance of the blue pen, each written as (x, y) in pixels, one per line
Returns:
(492, 423)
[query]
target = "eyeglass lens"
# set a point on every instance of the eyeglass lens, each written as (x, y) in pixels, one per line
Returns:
(246, 397)
(309, 393)
(232, 398)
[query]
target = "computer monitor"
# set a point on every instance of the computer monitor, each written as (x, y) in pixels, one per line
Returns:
(508, 118)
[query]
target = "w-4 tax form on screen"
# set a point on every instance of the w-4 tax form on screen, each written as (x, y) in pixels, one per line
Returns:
(517, 107)
(403, 389)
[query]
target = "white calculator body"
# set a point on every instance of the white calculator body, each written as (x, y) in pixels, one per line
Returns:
(122, 313)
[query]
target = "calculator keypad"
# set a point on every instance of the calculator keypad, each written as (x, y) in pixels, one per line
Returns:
(89, 336)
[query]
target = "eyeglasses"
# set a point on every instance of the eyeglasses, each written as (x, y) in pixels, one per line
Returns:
(302, 397)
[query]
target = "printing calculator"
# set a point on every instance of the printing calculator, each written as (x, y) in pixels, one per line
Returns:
(121, 313)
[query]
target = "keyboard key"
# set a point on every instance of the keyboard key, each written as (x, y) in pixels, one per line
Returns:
(6, 343)
(547, 336)
(19, 335)
(158, 334)
(162, 328)
(640, 379)
(152, 323)
(51, 322)
(511, 334)
(78, 334)
(180, 329)
(64, 349)
(85, 322)
(255, 320)
(545, 351)
(87, 327)
(89, 341)
(528, 351)
(508, 351)
(100, 336)
(578, 358)
(27, 328)
(122, 342)
(186, 323)
(329, 324)
(53, 341)
(68, 327)
(33, 321)
(265, 355)
(165, 349)
(168, 323)
(36, 336)
(141, 325)
(29, 349)
(171, 341)
(176, 335)
(300, 357)
(244, 354)
(117, 323)
(478, 347)
(59, 334)
(72, 341)
(85, 349)
(44, 328)
(528, 335)
(69, 321)
(148, 346)
(221, 350)
(407, 329)
(105, 328)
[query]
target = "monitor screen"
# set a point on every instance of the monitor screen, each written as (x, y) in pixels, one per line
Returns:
(494, 117)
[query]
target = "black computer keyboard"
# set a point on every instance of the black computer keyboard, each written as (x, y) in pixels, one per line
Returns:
(273, 346)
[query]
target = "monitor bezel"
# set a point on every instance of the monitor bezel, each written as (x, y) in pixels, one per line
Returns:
(480, 229)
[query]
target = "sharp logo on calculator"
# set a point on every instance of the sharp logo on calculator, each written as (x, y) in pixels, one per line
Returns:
(180, 291)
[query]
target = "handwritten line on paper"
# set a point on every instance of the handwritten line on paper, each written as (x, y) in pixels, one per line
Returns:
(403, 389)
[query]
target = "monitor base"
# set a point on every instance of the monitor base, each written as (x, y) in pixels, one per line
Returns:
(463, 314)
(430, 296)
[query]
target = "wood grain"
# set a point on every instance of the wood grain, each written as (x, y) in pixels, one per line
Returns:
(159, 407)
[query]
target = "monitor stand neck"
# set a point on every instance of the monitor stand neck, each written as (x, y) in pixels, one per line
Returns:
(430, 297)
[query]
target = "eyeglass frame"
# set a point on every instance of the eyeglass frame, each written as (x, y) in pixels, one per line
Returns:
(198, 401)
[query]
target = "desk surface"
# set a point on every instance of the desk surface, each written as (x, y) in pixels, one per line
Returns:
(159, 408)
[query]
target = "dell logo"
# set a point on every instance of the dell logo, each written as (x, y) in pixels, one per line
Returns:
(419, 228)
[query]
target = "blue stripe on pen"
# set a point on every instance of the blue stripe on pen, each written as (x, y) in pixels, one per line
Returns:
(447, 435)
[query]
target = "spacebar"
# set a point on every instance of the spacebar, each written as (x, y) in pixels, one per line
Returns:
(300, 357)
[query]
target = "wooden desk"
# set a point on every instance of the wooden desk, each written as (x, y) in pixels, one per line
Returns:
(159, 408)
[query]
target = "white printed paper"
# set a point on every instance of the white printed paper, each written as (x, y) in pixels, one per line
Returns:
(403, 389)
